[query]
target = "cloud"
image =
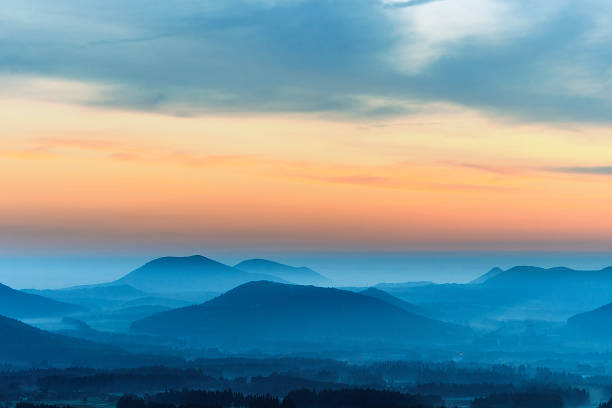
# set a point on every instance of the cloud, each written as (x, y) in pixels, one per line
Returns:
(597, 170)
(486, 168)
(408, 3)
(46, 143)
(532, 61)
(394, 175)
(355, 179)
(45, 148)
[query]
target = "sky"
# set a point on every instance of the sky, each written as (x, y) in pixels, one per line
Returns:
(299, 125)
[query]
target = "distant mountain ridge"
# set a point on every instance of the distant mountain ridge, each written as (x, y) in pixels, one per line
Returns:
(402, 304)
(22, 344)
(402, 285)
(489, 275)
(93, 297)
(521, 292)
(191, 273)
(117, 292)
(18, 304)
(596, 322)
(551, 276)
(300, 275)
(258, 313)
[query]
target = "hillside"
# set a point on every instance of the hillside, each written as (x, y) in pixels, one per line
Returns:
(122, 292)
(596, 323)
(299, 275)
(395, 301)
(92, 296)
(188, 274)
(489, 275)
(264, 312)
(17, 304)
(21, 344)
(559, 277)
(521, 292)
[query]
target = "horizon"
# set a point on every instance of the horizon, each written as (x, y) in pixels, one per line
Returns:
(342, 268)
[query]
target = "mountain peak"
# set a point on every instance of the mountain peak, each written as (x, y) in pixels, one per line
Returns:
(17, 304)
(395, 301)
(301, 275)
(188, 274)
(264, 312)
(183, 260)
(491, 274)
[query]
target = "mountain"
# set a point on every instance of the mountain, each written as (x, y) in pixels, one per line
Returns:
(521, 292)
(92, 296)
(596, 323)
(21, 344)
(402, 285)
(188, 274)
(300, 275)
(122, 292)
(157, 301)
(395, 301)
(263, 313)
(567, 291)
(559, 277)
(17, 304)
(489, 275)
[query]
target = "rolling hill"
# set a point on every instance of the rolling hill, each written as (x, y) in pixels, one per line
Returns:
(299, 275)
(188, 274)
(402, 304)
(263, 313)
(521, 292)
(92, 296)
(557, 278)
(21, 344)
(17, 304)
(489, 275)
(596, 322)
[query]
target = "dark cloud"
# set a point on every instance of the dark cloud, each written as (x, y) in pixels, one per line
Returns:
(331, 57)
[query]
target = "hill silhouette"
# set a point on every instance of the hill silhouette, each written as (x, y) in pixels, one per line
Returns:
(92, 296)
(122, 292)
(596, 322)
(17, 304)
(265, 312)
(395, 301)
(521, 292)
(300, 275)
(188, 274)
(558, 277)
(489, 275)
(22, 344)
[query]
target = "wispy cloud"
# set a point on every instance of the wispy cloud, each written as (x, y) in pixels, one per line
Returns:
(51, 147)
(489, 168)
(408, 3)
(78, 143)
(597, 170)
(398, 175)
(355, 179)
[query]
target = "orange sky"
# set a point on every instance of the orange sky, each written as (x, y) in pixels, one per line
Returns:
(78, 177)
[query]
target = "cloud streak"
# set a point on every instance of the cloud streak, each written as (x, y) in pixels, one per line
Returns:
(409, 3)
(398, 176)
(595, 170)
